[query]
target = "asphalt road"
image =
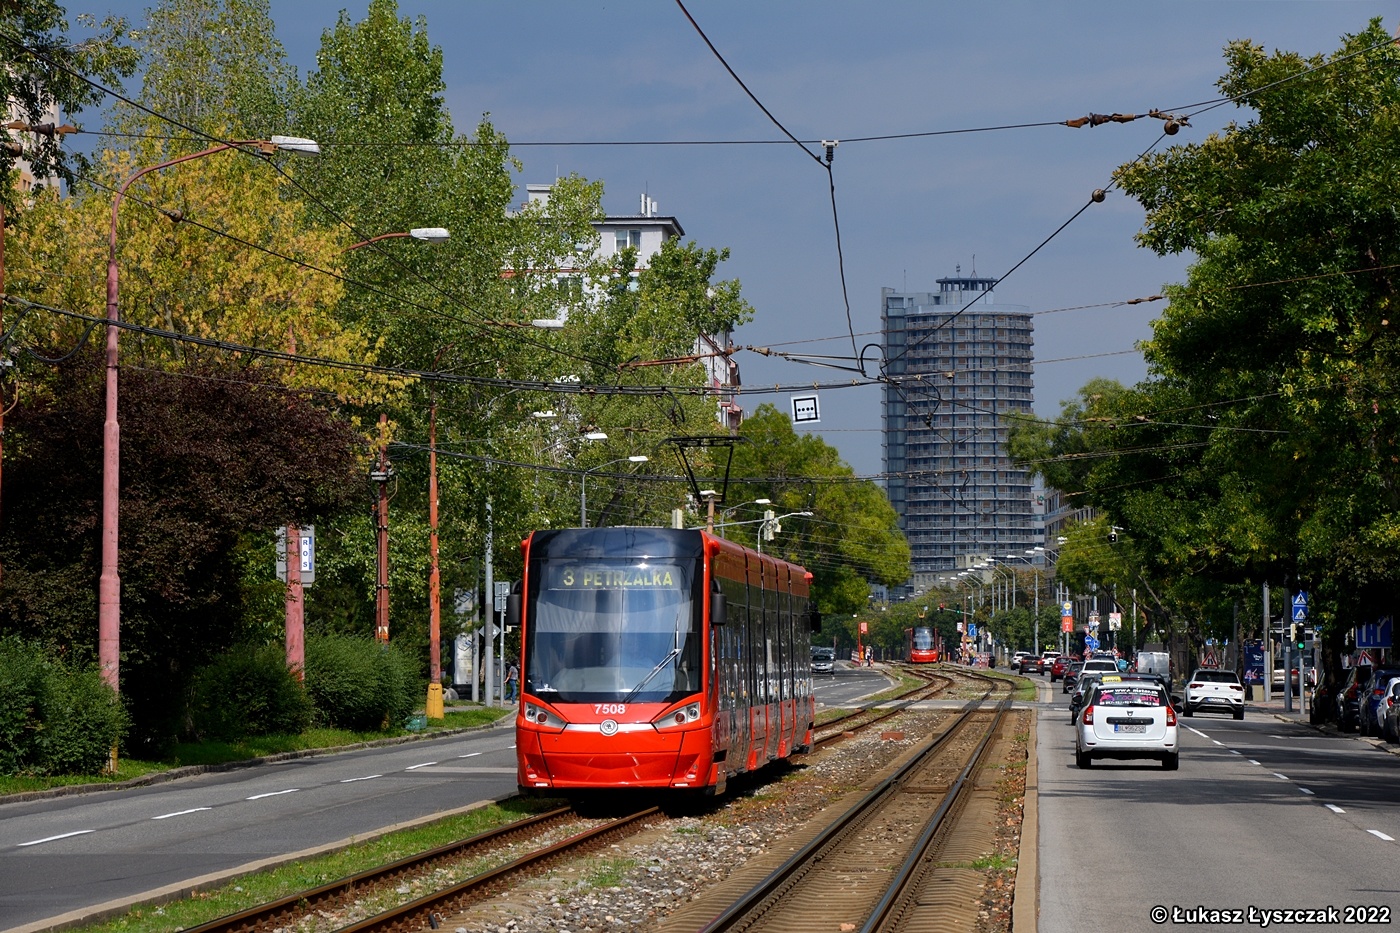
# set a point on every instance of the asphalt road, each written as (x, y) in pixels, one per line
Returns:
(67, 853)
(1263, 815)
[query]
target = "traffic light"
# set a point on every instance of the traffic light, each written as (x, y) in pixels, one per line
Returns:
(1299, 636)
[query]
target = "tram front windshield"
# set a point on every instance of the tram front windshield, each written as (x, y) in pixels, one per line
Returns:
(923, 639)
(612, 632)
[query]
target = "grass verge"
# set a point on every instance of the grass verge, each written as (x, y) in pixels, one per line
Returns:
(217, 753)
(260, 888)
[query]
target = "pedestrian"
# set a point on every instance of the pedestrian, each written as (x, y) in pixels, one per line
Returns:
(512, 682)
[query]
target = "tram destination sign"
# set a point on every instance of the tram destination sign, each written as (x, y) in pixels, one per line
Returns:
(596, 576)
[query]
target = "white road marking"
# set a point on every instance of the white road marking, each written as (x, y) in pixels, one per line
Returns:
(1281, 777)
(423, 765)
(469, 755)
(80, 832)
(276, 793)
(1253, 762)
(1199, 732)
(1306, 791)
(166, 816)
(1221, 744)
(1334, 808)
(1380, 835)
(1235, 752)
(367, 777)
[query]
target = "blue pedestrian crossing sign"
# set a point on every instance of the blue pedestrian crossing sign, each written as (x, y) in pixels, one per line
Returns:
(1300, 599)
(1300, 614)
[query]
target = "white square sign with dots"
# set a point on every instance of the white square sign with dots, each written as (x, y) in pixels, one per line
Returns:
(804, 409)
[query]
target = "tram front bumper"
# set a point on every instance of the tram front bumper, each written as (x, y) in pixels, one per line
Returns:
(579, 760)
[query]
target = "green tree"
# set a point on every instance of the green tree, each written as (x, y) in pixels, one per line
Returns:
(34, 38)
(852, 538)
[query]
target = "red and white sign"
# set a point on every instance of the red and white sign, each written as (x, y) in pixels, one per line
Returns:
(1364, 657)
(1066, 624)
(864, 628)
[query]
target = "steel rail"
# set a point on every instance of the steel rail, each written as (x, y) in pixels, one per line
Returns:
(905, 875)
(279, 912)
(426, 912)
(788, 872)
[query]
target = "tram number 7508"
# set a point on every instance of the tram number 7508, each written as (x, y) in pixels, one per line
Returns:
(610, 709)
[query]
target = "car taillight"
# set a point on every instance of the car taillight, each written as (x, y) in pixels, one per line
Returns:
(1376, 693)
(1239, 687)
(1171, 716)
(1194, 686)
(1088, 716)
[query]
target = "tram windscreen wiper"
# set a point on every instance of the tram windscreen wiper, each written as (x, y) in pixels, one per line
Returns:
(670, 656)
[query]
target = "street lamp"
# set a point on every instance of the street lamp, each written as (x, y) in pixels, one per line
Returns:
(426, 234)
(583, 484)
(1035, 619)
(109, 583)
(772, 526)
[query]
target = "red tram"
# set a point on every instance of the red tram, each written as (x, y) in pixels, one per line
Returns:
(657, 658)
(923, 645)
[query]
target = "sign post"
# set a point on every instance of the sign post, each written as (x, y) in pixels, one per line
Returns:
(1300, 617)
(297, 569)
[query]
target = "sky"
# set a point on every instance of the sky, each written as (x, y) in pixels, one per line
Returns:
(910, 210)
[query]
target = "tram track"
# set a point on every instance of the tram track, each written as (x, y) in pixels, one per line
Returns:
(880, 865)
(331, 906)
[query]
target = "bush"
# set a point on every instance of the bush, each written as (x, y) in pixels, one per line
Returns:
(360, 684)
(83, 721)
(249, 691)
(23, 671)
(54, 720)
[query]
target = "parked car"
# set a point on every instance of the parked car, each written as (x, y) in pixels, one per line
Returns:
(1323, 707)
(1211, 690)
(1127, 719)
(1349, 695)
(1390, 711)
(1370, 698)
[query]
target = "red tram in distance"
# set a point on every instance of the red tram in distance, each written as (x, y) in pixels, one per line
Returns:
(923, 645)
(657, 658)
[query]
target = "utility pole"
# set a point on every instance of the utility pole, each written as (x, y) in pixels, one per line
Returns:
(488, 600)
(381, 588)
(296, 607)
(433, 707)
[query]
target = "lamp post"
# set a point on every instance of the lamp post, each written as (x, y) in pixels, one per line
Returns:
(583, 484)
(1035, 619)
(109, 582)
(772, 526)
(426, 234)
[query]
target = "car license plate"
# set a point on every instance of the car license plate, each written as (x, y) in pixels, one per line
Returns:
(1131, 727)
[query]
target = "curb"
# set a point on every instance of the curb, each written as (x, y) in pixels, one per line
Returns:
(1025, 904)
(175, 774)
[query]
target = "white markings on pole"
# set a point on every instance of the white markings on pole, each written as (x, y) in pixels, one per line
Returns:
(1281, 777)
(166, 816)
(1334, 808)
(469, 755)
(1380, 835)
(1306, 791)
(275, 793)
(423, 765)
(367, 777)
(80, 832)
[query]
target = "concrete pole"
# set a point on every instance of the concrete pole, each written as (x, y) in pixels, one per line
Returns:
(433, 707)
(296, 639)
(381, 588)
(488, 599)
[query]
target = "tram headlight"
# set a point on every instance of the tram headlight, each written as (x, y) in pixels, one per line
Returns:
(678, 717)
(543, 717)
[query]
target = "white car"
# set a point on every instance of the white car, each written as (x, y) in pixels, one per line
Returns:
(1127, 719)
(1210, 690)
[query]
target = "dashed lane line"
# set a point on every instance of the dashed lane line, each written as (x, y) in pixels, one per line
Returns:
(367, 777)
(1334, 808)
(1380, 835)
(426, 764)
(275, 793)
(35, 842)
(166, 816)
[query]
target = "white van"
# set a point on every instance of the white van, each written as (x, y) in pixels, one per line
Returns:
(1155, 662)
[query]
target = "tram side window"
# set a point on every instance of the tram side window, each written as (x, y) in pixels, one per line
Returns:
(733, 640)
(784, 645)
(758, 688)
